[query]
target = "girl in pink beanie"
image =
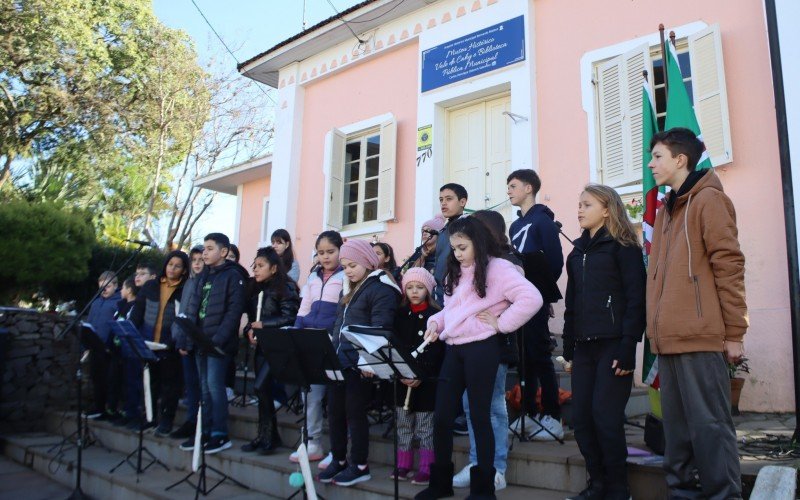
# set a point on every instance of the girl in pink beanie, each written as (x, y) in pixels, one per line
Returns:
(369, 298)
(417, 398)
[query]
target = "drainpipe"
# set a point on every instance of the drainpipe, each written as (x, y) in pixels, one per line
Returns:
(788, 197)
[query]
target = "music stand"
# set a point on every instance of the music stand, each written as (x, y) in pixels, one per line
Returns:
(133, 347)
(207, 347)
(300, 357)
(90, 340)
(381, 353)
(241, 400)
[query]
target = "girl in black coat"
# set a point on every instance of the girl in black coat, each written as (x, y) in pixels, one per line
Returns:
(603, 321)
(273, 301)
(415, 415)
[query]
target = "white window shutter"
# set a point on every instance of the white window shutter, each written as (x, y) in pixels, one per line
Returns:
(335, 141)
(634, 63)
(386, 179)
(611, 114)
(710, 95)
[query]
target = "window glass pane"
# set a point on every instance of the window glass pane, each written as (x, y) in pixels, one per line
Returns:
(352, 151)
(351, 193)
(661, 121)
(370, 210)
(689, 90)
(350, 214)
(661, 100)
(373, 145)
(351, 171)
(658, 73)
(683, 60)
(371, 189)
(372, 167)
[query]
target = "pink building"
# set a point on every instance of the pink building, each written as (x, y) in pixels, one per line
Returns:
(469, 90)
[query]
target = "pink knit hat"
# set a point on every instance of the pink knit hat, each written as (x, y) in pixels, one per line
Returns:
(360, 252)
(420, 275)
(437, 223)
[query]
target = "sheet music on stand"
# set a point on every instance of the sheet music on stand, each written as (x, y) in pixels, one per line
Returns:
(134, 345)
(378, 355)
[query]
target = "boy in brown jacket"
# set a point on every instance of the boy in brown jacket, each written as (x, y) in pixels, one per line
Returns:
(696, 318)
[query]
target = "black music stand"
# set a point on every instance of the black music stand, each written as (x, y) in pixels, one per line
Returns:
(207, 347)
(133, 347)
(89, 339)
(382, 353)
(300, 357)
(241, 400)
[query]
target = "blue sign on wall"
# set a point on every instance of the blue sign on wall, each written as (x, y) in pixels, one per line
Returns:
(474, 54)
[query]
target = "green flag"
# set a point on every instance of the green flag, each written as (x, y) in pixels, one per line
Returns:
(680, 112)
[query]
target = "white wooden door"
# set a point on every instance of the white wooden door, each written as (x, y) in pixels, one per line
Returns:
(479, 151)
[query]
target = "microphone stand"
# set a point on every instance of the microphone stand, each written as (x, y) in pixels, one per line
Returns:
(77, 493)
(418, 249)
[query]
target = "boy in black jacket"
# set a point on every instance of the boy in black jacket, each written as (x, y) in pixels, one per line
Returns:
(216, 305)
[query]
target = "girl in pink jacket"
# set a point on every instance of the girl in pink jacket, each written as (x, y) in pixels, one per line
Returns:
(483, 295)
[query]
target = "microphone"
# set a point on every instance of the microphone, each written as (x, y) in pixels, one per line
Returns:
(432, 232)
(142, 243)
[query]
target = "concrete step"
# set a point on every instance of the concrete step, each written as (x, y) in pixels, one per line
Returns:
(263, 474)
(16, 481)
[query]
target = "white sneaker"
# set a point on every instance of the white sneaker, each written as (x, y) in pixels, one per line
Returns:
(531, 427)
(325, 462)
(461, 479)
(229, 392)
(314, 452)
(499, 481)
(550, 431)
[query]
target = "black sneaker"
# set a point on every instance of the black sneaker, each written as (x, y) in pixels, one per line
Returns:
(188, 445)
(593, 491)
(460, 426)
(163, 430)
(352, 475)
(94, 414)
(185, 431)
(331, 471)
(122, 422)
(217, 444)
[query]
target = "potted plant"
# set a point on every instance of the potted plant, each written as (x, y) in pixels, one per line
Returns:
(737, 383)
(635, 210)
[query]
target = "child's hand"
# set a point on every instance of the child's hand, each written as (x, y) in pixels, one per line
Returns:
(489, 318)
(251, 338)
(432, 334)
(256, 324)
(367, 374)
(410, 382)
(183, 352)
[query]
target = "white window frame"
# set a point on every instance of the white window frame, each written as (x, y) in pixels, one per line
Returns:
(365, 127)
(264, 220)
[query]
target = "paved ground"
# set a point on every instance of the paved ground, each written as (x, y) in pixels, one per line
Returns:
(21, 483)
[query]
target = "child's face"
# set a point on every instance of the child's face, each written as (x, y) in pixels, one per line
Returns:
(142, 276)
(517, 191)
(665, 167)
(279, 245)
(592, 214)
(354, 271)
(328, 255)
(428, 237)
(174, 270)
(450, 204)
(463, 249)
(126, 293)
(382, 257)
(108, 289)
(263, 270)
(416, 292)
(197, 263)
(213, 254)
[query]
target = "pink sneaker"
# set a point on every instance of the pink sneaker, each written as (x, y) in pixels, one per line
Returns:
(403, 474)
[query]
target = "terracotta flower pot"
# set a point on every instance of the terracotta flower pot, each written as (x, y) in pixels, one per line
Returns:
(736, 392)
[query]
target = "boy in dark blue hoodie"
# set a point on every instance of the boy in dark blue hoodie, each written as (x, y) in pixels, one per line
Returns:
(101, 313)
(535, 231)
(216, 305)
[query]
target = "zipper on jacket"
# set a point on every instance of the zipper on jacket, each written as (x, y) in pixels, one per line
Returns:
(697, 296)
(611, 309)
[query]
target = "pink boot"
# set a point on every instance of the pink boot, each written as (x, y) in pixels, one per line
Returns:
(423, 476)
(405, 460)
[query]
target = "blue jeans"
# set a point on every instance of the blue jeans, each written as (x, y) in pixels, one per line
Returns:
(212, 372)
(499, 415)
(192, 382)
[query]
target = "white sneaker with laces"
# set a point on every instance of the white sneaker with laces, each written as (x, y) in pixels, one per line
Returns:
(461, 479)
(550, 428)
(499, 481)
(314, 452)
(325, 462)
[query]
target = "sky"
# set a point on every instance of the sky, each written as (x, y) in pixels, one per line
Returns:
(248, 28)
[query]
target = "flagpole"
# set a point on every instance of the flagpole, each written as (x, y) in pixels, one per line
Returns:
(663, 61)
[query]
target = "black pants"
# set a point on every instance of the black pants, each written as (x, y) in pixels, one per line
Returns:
(347, 411)
(539, 369)
(115, 379)
(598, 399)
(166, 386)
(98, 370)
(473, 367)
(266, 407)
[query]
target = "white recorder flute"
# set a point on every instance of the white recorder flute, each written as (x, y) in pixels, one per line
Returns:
(414, 354)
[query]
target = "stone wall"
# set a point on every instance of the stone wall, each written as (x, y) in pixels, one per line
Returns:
(38, 369)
